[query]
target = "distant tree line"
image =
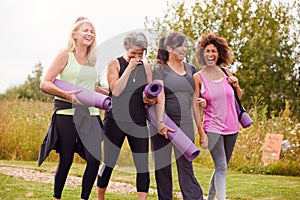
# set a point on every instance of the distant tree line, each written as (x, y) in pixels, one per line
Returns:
(30, 88)
(264, 36)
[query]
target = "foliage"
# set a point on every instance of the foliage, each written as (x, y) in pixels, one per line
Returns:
(30, 89)
(247, 155)
(23, 125)
(264, 37)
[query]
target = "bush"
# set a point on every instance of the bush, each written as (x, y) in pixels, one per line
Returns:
(247, 156)
(23, 125)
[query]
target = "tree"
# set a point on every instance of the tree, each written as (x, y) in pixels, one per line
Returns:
(30, 89)
(264, 37)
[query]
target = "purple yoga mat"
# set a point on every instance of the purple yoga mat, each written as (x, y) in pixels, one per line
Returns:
(178, 138)
(152, 89)
(245, 120)
(85, 96)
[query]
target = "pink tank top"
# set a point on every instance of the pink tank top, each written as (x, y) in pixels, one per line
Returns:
(220, 113)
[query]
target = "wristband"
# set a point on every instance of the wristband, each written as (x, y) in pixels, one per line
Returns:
(160, 122)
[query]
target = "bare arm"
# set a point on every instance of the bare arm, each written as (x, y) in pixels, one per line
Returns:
(116, 83)
(101, 90)
(160, 110)
(196, 95)
(57, 65)
(160, 104)
(149, 80)
(148, 72)
(235, 82)
(196, 110)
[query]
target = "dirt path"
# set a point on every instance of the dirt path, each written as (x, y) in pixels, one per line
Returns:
(45, 177)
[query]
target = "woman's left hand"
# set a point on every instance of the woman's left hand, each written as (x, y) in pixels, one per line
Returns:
(233, 80)
(203, 141)
(148, 101)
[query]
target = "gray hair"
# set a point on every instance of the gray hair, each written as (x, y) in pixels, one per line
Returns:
(135, 39)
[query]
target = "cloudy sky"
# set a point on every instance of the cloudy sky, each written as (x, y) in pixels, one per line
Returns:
(35, 30)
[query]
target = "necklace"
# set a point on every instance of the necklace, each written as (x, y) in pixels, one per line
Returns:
(133, 77)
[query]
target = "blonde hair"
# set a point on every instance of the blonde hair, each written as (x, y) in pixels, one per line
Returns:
(91, 56)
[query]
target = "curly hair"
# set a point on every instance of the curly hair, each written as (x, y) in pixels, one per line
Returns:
(225, 55)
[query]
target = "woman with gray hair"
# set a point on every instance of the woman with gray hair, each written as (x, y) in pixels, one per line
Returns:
(127, 77)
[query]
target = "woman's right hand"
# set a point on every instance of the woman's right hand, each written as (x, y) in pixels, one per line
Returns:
(163, 129)
(134, 62)
(72, 96)
(201, 102)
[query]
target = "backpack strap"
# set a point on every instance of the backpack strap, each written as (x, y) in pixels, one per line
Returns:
(236, 97)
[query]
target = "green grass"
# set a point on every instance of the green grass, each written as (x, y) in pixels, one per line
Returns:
(23, 125)
(239, 186)
(16, 189)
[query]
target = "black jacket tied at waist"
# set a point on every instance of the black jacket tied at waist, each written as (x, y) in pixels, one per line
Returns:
(89, 129)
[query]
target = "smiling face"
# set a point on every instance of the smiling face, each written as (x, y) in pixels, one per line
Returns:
(178, 52)
(135, 52)
(85, 35)
(211, 55)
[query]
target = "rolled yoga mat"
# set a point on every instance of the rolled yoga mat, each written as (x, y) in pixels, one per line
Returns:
(178, 137)
(85, 96)
(244, 118)
(152, 89)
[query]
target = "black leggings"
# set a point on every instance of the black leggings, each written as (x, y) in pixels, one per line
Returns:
(139, 145)
(69, 143)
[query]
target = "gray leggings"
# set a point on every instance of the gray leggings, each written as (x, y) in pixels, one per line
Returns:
(220, 147)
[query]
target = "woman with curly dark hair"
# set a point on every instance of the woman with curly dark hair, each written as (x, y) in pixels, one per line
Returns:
(220, 122)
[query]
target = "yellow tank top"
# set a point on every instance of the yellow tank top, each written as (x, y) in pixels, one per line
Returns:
(83, 76)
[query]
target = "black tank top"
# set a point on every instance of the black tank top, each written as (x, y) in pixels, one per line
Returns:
(129, 106)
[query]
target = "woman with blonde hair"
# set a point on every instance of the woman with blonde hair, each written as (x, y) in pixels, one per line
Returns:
(74, 128)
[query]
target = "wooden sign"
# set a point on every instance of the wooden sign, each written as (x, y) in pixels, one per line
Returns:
(272, 148)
